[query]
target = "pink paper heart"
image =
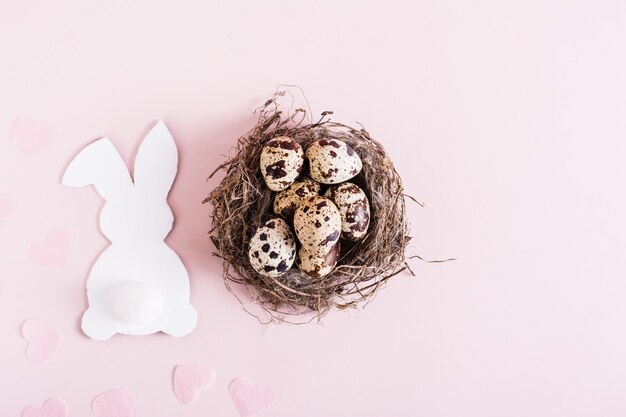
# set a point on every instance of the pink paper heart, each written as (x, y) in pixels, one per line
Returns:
(52, 407)
(31, 137)
(249, 399)
(53, 251)
(43, 339)
(114, 403)
(190, 380)
(6, 206)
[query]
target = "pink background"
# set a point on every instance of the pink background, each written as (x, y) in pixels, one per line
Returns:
(506, 118)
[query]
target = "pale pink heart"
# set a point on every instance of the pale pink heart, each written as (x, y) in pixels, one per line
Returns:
(31, 137)
(114, 403)
(53, 251)
(52, 407)
(190, 380)
(249, 399)
(6, 206)
(43, 339)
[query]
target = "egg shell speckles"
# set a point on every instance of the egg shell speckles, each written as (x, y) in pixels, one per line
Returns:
(318, 225)
(332, 161)
(272, 248)
(317, 266)
(281, 162)
(353, 207)
(287, 201)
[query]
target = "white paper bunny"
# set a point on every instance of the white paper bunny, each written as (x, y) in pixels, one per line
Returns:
(138, 285)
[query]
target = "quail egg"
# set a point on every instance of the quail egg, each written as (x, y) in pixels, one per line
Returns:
(287, 201)
(272, 248)
(281, 162)
(332, 161)
(354, 208)
(318, 225)
(318, 266)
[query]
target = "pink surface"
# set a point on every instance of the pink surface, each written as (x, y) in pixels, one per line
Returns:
(42, 338)
(505, 118)
(190, 379)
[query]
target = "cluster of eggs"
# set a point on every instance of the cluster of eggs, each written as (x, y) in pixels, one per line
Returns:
(318, 220)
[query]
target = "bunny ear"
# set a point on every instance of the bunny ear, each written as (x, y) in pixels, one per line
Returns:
(156, 163)
(99, 164)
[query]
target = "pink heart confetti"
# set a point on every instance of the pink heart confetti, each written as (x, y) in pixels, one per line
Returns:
(43, 339)
(190, 380)
(6, 206)
(249, 399)
(52, 407)
(53, 251)
(31, 137)
(114, 403)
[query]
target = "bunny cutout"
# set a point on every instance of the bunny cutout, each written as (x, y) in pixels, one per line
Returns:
(138, 285)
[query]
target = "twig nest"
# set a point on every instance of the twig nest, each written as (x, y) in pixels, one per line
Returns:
(285, 192)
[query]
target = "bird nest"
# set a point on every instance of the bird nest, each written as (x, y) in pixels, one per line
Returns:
(242, 202)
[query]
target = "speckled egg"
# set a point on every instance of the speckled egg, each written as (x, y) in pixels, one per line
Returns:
(353, 207)
(287, 201)
(318, 266)
(332, 161)
(318, 225)
(281, 162)
(272, 248)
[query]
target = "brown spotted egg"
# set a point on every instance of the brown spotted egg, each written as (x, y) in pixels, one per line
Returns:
(332, 161)
(354, 208)
(287, 201)
(318, 225)
(281, 162)
(318, 266)
(272, 248)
